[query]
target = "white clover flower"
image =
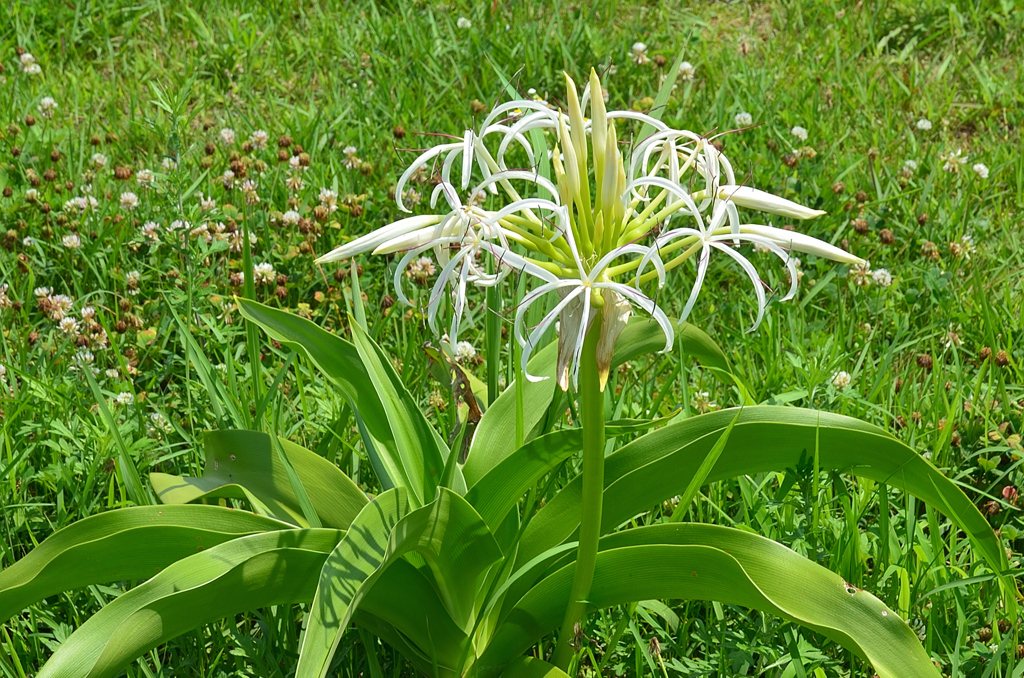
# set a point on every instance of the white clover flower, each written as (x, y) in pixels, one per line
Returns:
(464, 352)
(47, 107)
(910, 165)
(129, 201)
(981, 170)
(88, 313)
(861, 275)
(145, 177)
(42, 291)
(249, 192)
(464, 24)
(924, 124)
(124, 398)
(329, 199)
(207, 203)
(841, 380)
(5, 301)
(228, 179)
(169, 164)
(132, 280)
(71, 241)
(3, 374)
(28, 241)
(31, 195)
(259, 139)
(150, 231)
(68, 325)
(953, 161)
(687, 71)
(263, 273)
(702, 402)
(799, 132)
(99, 160)
(639, 56)
(291, 218)
(179, 224)
(83, 357)
(744, 119)
(28, 64)
(351, 160)
(227, 136)
(881, 277)
(111, 373)
(159, 423)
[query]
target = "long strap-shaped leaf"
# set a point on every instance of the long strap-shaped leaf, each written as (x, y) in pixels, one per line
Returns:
(244, 574)
(423, 453)
(658, 465)
(531, 667)
(243, 465)
(453, 541)
(402, 459)
(131, 543)
(710, 562)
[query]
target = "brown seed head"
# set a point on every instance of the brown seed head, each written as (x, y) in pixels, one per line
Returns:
(476, 107)
(930, 251)
(790, 160)
(925, 362)
(281, 292)
(1002, 360)
(283, 155)
(112, 138)
(30, 120)
(838, 187)
(922, 219)
(861, 197)
(121, 327)
(860, 225)
(50, 175)
(54, 156)
(8, 191)
(886, 236)
(772, 144)
(984, 354)
(985, 633)
(1004, 626)
(387, 301)
(15, 151)
(340, 274)
(95, 140)
(122, 173)
(398, 132)
(304, 159)
(356, 210)
(210, 148)
(320, 213)
(284, 141)
(954, 439)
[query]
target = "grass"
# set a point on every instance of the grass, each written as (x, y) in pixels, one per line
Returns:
(937, 357)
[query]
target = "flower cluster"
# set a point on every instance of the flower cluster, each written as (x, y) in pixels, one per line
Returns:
(591, 235)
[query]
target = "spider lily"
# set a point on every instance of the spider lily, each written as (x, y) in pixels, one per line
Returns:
(587, 236)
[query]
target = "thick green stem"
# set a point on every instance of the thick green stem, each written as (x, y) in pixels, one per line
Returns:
(592, 416)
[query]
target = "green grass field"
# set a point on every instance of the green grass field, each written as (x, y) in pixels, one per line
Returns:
(912, 113)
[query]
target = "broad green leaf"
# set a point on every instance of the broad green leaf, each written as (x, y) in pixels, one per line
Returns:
(495, 437)
(126, 544)
(341, 362)
(243, 465)
(421, 450)
(244, 574)
(658, 465)
(710, 562)
(531, 667)
(449, 536)
(643, 336)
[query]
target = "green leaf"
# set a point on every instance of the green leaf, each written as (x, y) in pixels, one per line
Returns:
(531, 667)
(643, 336)
(243, 574)
(495, 437)
(421, 450)
(447, 533)
(243, 465)
(698, 479)
(658, 465)
(342, 363)
(131, 543)
(125, 464)
(710, 562)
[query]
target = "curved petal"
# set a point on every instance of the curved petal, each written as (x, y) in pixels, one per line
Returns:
(754, 278)
(799, 242)
(371, 241)
(752, 198)
(529, 343)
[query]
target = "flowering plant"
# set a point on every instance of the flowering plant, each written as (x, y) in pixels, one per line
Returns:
(460, 566)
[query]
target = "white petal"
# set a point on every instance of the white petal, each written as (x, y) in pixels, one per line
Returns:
(702, 269)
(745, 196)
(799, 242)
(371, 241)
(528, 344)
(754, 278)
(421, 161)
(504, 255)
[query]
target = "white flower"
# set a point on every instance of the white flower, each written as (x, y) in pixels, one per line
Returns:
(464, 352)
(291, 218)
(881, 277)
(5, 302)
(29, 65)
(28, 241)
(702, 402)
(329, 199)
(686, 71)
(639, 50)
(463, 23)
(31, 195)
(144, 177)
(228, 179)
(206, 203)
(981, 170)
(42, 291)
(259, 139)
(169, 164)
(841, 380)
(82, 357)
(924, 124)
(129, 201)
(68, 325)
(910, 165)
(47, 107)
(124, 398)
(112, 373)
(953, 161)
(744, 119)
(132, 280)
(159, 423)
(88, 313)
(263, 273)
(149, 231)
(799, 132)
(227, 136)
(99, 160)
(861, 275)
(351, 160)
(71, 241)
